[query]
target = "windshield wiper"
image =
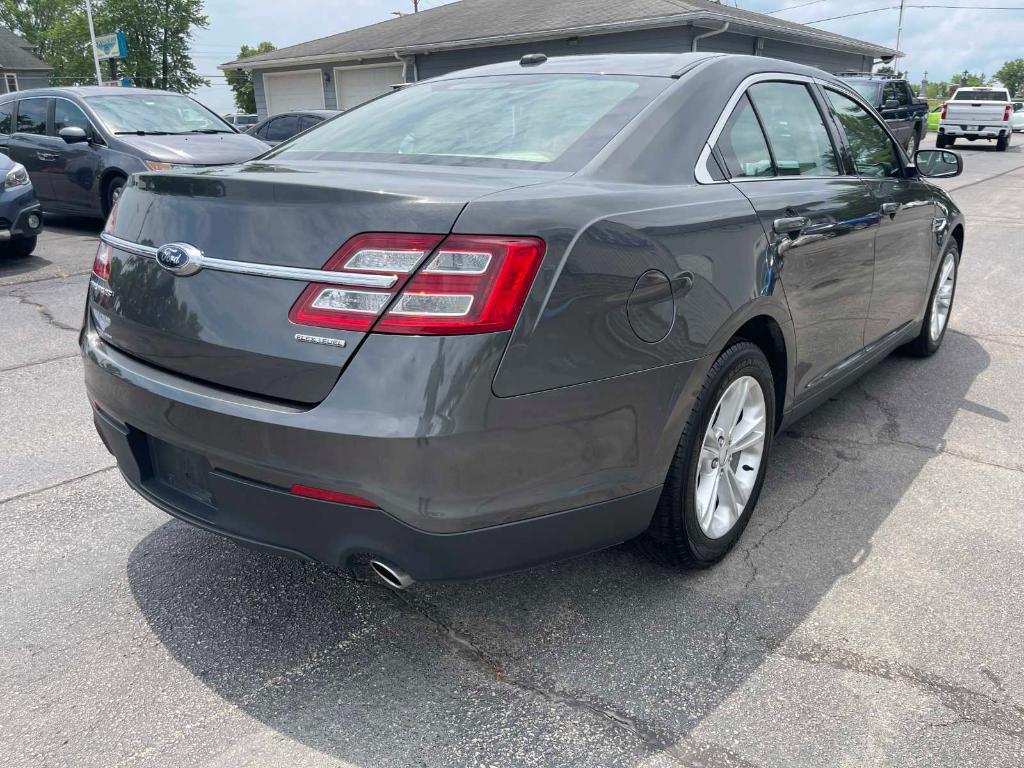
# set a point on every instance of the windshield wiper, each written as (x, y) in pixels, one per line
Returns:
(140, 133)
(209, 130)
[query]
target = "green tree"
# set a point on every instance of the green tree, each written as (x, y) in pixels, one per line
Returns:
(58, 31)
(241, 81)
(1011, 74)
(159, 35)
(968, 78)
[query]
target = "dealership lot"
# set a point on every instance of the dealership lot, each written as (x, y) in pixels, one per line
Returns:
(870, 615)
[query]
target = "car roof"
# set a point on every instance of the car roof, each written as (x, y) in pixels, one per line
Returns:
(90, 90)
(649, 64)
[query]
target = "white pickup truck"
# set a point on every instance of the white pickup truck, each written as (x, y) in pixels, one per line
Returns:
(977, 113)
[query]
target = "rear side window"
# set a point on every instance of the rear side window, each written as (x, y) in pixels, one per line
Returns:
(6, 113)
(282, 128)
(32, 115)
(68, 115)
(742, 147)
(873, 152)
(308, 121)
(796, 131)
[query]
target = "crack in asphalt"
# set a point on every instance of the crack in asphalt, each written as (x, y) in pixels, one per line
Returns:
(60, 484)
(684, 750)
(41, 308)
(748, 558)
(38, 362)
(44, 278)
(970, 707)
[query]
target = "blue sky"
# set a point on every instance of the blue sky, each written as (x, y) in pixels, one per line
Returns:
(937, 40)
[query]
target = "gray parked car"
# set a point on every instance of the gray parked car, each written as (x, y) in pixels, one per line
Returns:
(279, 128)
(80, 145)
(514, 314)
(21, 219)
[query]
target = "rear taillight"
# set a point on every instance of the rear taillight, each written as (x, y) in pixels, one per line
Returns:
(942, 115)
(357, 309)
(101, 264)
(469, 284)
(1007, 112)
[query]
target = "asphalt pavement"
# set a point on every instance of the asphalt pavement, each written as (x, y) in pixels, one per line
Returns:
(871, 615)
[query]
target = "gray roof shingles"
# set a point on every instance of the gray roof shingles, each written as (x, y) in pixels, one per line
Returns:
(456, 23)
(16, 53)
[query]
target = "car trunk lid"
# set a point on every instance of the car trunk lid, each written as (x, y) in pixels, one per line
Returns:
(233, 329)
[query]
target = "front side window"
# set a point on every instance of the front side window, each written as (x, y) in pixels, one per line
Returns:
(155, 113)
(873, 152)
(558, 121)
(742, 147)
(68, 115)
(6, 113)
(32, 115)
(796, 132)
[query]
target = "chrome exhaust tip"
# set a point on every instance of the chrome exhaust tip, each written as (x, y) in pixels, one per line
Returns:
(390, 575)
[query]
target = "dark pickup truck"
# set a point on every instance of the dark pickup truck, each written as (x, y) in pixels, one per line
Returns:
(906, 114)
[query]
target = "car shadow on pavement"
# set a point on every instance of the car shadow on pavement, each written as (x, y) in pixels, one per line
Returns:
(606, 659)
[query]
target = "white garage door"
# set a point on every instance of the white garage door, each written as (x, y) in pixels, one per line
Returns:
(354, 85)
(287, 91)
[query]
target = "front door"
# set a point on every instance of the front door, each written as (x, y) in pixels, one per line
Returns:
(904, 244)
(820, 223)
(75, 171)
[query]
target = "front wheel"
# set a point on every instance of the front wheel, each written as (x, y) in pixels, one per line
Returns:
(716, 475)
(113, 192)
(22, 246)
(940, 305)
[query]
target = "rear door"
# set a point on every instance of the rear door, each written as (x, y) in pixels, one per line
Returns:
(779, 152)
(904, 244)
(30, 145)
(6, 126)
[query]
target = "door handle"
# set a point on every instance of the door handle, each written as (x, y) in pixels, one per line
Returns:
(47, 156)
(790, 225)
(890, 209)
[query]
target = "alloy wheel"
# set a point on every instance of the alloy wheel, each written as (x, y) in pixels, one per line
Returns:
(943, 299)
(730, 457)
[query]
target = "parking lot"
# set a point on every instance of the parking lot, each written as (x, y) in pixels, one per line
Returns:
(871, 615)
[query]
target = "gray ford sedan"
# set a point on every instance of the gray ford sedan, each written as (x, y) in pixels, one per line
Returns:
(81, 144)
(515, 313)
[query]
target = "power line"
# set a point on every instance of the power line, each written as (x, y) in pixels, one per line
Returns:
(896, 7)
(794, 7)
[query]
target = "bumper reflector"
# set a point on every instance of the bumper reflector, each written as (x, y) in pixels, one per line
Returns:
(322, 494)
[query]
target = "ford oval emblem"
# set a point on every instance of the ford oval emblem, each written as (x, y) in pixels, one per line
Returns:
(180, 258)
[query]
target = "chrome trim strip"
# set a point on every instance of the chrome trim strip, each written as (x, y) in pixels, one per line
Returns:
(263, 270)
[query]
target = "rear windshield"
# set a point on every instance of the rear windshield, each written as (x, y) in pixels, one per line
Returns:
(962, 95)
(534, 121)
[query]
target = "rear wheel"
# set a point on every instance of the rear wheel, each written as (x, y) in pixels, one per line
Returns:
(716, 475)
(1002, 143)
(941, 142)
(940, 306)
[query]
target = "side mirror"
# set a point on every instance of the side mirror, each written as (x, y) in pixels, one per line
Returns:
(890, 104)
(73, 134)
(938, 163)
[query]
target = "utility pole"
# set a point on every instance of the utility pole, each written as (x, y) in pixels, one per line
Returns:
(92, 36)
(899, 30)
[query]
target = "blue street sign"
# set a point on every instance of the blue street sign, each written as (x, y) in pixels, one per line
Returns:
(112, 46)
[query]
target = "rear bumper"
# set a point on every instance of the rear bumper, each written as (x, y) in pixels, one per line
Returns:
(270, 518)
(468, 484)
(974, 132)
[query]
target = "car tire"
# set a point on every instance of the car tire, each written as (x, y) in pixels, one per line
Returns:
(941, 142)
(698, 518)
(22, 246)
(1002, 143)
(112, 192)
(940, 305)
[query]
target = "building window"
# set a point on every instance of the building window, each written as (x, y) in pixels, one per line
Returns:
(11, 80)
